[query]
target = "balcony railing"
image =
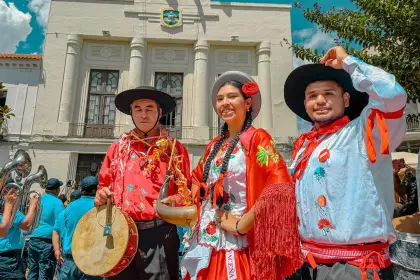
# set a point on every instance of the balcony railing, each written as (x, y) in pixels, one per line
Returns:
(413, 122)
(187, 132)
(104, 131)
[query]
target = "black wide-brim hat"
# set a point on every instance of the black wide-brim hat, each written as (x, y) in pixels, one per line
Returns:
(125, 98)
(301, 77)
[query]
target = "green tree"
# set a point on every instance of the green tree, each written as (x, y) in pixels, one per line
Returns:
(6, 112)
(388, 32)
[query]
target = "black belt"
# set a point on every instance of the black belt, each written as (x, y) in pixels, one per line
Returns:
(48, 240)
(144, 225)
(10, 254)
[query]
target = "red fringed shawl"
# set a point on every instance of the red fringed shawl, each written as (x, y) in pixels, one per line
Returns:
(274, 242)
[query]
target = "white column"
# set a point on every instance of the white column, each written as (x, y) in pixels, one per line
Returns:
(137, 62)
(201, 90)
(264, 82)
(138, 48)
(70, 79)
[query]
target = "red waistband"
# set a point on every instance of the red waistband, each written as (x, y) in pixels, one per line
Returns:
(365, 256)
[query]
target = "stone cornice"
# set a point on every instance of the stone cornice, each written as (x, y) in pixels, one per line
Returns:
(251, 5)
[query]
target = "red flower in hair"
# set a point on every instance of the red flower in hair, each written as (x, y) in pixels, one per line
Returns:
(250, 88)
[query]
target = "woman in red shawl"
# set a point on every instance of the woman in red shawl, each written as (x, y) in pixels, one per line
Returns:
(248, 225)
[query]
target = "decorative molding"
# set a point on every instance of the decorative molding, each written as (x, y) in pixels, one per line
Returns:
(170, 55)
(251, 5)
(106, 52)
(233, 57)
(20, 65)
(187, 17)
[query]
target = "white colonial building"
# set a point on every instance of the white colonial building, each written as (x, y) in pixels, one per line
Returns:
(20, 75)
(95, 49)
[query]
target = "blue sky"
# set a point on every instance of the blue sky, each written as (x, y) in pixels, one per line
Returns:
(25, 22)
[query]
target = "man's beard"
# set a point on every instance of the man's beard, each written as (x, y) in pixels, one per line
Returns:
(326, 121)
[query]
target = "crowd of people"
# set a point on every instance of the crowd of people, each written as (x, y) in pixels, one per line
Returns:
(342, 210)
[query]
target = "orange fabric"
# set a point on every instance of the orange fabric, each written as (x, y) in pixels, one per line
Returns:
(258, 177)
(314, 138)
(217, 267)
(380, 118)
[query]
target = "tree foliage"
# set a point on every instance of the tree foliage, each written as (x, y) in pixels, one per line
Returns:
(388, 32)
(6, 112)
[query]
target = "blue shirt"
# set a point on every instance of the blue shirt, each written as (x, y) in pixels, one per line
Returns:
(59, 223)
(14, 238)
(51, 207)
(73, 213)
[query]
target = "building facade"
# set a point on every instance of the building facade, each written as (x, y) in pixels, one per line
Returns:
(20, 76)
(96, 49)
(411, 141)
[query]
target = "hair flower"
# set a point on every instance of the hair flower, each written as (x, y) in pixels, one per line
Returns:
(250, 88)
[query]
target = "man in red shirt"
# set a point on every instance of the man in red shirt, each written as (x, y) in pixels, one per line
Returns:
(133, 172)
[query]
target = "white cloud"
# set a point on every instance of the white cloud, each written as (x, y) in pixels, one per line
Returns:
(320, 40)
(14, 25)
(303, 33)
(314, 39)
(41, 8)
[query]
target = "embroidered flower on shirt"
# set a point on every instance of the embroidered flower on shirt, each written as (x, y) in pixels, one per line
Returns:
(142, 206)
(130, 187)
(319, 173)
(143, 191)
(211, 228)
(325, 225)
(226, 197)
(235, 150)
(322, 201)
(269, 152)
(229, 201)
(133, 155)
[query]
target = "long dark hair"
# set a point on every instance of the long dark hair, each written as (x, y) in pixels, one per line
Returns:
(223, 134)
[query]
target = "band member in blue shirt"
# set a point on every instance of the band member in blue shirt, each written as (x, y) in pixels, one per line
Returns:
(73, 213)
(11, 243)
(41, 260)
(59, 228)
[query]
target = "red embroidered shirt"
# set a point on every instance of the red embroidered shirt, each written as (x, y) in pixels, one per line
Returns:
(135, 178)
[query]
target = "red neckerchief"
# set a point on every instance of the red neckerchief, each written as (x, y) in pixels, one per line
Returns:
(314, 139)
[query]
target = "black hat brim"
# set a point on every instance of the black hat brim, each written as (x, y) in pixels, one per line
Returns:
(124, 99)
(301, 77)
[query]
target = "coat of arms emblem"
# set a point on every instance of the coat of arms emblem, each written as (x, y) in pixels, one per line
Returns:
(171, 17)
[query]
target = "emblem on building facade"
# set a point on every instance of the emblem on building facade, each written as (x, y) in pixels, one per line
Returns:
(170, 17)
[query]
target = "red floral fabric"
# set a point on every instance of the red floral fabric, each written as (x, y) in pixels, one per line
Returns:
(135, 179)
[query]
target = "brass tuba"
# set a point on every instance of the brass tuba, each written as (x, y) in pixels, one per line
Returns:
(40, 177)
(182, 216)
(21, 164)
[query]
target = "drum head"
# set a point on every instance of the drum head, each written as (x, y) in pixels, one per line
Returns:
(408, 224)
(94, 253)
